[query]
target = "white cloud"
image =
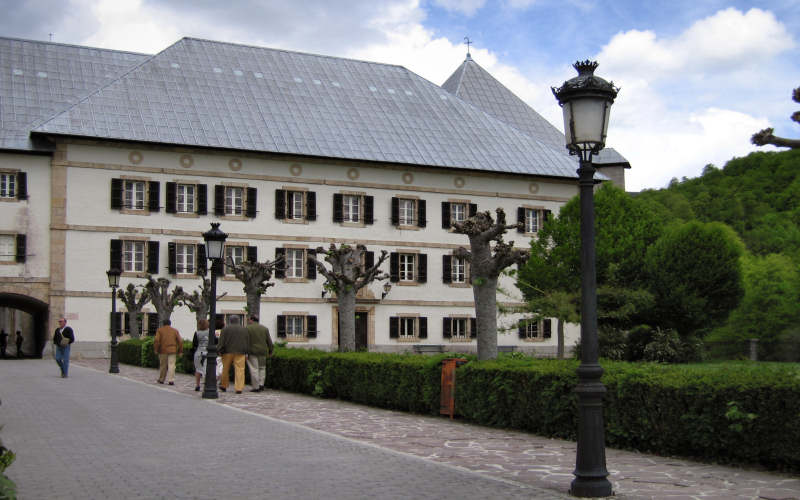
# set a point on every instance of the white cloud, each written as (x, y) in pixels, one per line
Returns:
(466, 7)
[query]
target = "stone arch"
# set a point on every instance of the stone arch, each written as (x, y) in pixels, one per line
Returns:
(38, 309)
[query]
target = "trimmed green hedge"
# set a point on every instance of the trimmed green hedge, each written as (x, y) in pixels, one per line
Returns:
(140, 352)
(735, 412)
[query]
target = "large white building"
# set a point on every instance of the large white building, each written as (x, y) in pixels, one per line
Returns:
(111, 158)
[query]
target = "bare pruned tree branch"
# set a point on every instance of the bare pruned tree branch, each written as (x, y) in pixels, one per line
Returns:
(767, 136)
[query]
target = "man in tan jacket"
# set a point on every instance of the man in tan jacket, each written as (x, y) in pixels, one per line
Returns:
(167, 345)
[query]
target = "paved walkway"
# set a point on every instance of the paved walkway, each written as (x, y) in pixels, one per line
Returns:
(350, 451)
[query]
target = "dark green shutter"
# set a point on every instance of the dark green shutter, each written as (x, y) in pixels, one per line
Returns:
(172, 195)
(447, 268)
(152, 257)
(202, 260)
(473, 328)
(172, 264)
(281, 326)
(394, 327)
(311, 268)
(445, 215)
(280, 267)
(153, 196)
(22, 186)
(422, 219)
(252, 202)
(115, 261)
(21, 248)
(394, 267)
(116, 194)
(422, 268)
(369, 260)
(423, 327)
(521, 327)
(338, 209)
(369, 210)
(447, 325)
(311, 205)
(311, 327)
(280, 204)
(202, 199)
(548, 328)
(252, 254)
(473, 209)
(521, 219)
(395, 211)
(219, 200)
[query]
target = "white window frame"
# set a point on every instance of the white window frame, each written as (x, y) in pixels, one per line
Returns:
(8, 185)
(8, 248)
(533, 220)
(134, 194)
(185, 198)
(295, 263)
(297, 201)
(295, 326)
(134, 256)
(407, 327)
(237, 253)
(406, 267)
(458, 212)
(458, 269)
(351, 208)
(533, 331)
(407, 211)
(234, 200)
(459, 328)
(185, 258)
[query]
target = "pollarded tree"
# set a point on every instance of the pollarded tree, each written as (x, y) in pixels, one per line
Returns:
(199, 301)
(163, 300)
(134, 301)
(350, 271)
(488, 256)
(767, 135)
(255, 276)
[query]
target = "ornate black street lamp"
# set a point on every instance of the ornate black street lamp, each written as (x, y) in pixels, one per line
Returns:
(113, 282)
(586, 101)
(215, 251)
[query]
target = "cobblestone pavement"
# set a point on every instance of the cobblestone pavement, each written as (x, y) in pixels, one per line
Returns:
(514, 456)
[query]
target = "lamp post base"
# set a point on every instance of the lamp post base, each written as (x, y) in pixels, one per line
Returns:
(114, 366)
(591, 487)
(210, 386)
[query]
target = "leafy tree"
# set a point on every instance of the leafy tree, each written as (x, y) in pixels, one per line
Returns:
(255, 276)
(767, 135)
(487, 261)
(349, 272)
(163, 300)
(199, 301)
(134, 301)
(695, 274)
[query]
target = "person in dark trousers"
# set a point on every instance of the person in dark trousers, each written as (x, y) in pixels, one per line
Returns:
(260, 345)
(3, 343)
(19, 344)
(63, 338)
(233, 344)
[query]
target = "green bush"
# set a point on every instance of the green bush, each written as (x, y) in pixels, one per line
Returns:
(742, 412)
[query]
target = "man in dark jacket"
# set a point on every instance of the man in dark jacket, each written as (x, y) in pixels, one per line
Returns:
(233, 345)
(260, 345)
(63, 339)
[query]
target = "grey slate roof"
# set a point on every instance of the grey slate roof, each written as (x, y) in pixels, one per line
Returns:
(475, 85)
(40, 79)
(222, 95)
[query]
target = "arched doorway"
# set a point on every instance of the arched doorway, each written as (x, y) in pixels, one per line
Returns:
(36, 338)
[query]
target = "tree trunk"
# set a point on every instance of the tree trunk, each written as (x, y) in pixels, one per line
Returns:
(253, 302)
(133, 323)
(347, 320)
(486, 317)
(560, 348)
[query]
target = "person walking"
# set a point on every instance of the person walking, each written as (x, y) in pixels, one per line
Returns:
(233, 344)
(259, 346)
(19, 344)
(3, 343)
(200, 343)
(63, 339)
(167, 345)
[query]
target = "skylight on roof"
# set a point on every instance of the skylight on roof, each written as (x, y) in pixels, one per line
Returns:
(41, 74)
(258, 75)
(335, 84)
(317, 82)
(237, 72)
(298, 79)
(175, 65)
(374, 89)
(17, 72)
(217, 70)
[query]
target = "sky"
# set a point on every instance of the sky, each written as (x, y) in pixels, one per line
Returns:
(697, 77)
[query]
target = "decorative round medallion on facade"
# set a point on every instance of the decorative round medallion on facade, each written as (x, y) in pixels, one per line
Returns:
(408, 177)
(353, 174)
(186, 161)
(235, 164)
(296, 169)
(533, 187)
(459, 182)
(135, 157)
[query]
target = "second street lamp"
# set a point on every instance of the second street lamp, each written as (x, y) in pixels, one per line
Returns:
(586, 101)
(113, 282)
(215, 250)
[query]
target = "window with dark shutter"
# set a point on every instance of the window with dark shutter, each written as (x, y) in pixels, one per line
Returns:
(447, 327)
(280, 204)
(423, 327)
(311, 205)
(447, 268)
(281, 326)
(394, 267)
(153, 196)
(422, 268)
(252, 202)
(252, 254)
(21, 248)
(473, 209)
(22, 186)
(116, 194)
(202, 199)
(445, 215)
(202, 261)
(369, 260)
(152, 257)
(311, 327)
(369, 210)
(520, 219)
(521, 327)
(152, 324)
(422, 213)
(311, 269)
(172, 195)
(395, 211)
(338, 208)
(394, 327)
(115, 260)
(219, 200)
(548, 328)
(473, 328)
(280, 266)
(172, 264)
(546, 215)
